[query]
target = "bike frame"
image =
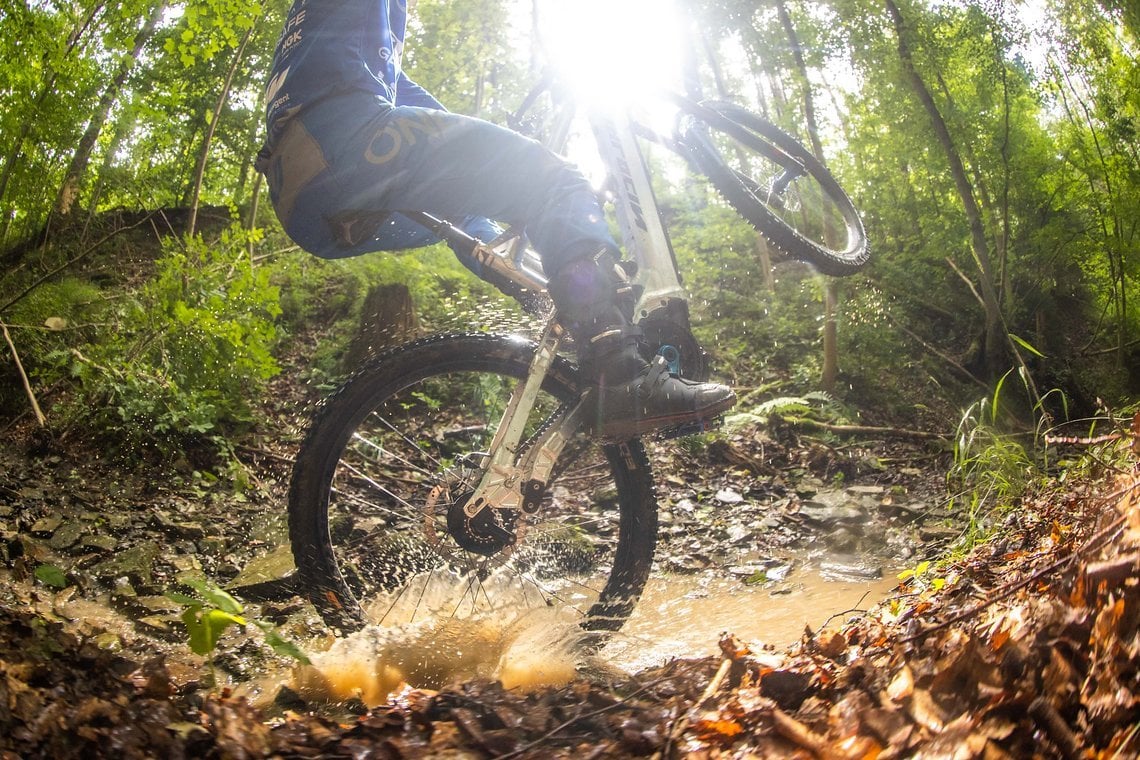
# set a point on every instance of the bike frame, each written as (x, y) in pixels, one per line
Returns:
(512, 483)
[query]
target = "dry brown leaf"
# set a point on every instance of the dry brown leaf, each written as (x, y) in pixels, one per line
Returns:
(1107, 620)
(902, 685)
(926, 711)
(717, 730)
(998, 640)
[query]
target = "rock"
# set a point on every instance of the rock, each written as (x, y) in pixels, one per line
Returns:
(269, 567)
(68, 535)
(849, 569)
(830, 507)
(176, 529)
(738, 533)
(162, 625)
(123, 591)
(842, 540)
(728, 496)
(157, 604)
(99, 543)
(908, 512)
(187, 564)
(45, 526)
(135, 563)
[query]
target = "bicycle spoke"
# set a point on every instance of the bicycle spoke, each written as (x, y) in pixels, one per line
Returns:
(393, 502)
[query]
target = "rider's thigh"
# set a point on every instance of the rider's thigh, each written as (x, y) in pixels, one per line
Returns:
(456, 166)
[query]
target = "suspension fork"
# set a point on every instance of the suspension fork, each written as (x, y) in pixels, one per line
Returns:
(507, 482)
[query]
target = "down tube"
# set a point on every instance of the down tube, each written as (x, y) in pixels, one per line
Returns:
(643, 234)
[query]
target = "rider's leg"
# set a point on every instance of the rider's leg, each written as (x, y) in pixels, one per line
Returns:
(341, 168)
(337, 175)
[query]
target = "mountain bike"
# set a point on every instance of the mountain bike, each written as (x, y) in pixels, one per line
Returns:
(454, 476)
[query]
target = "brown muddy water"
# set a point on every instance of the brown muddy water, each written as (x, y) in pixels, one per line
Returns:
(679, 616)
(684, 616)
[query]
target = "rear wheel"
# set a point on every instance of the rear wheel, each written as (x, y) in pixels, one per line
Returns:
(375, 505)
(776, 184)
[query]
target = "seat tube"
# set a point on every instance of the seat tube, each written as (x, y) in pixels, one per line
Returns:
(643, 233)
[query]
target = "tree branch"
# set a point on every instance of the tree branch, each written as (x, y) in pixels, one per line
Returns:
(24, 378)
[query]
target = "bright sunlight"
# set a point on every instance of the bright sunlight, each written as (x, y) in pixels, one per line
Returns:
(610, 50)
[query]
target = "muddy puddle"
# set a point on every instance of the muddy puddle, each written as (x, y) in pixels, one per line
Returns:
(684, 616)
(679, 616)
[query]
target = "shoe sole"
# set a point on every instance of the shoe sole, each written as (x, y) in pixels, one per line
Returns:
(627, 429)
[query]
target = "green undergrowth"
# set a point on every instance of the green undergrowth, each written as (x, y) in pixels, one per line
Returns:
(999, 460)
(167, 356)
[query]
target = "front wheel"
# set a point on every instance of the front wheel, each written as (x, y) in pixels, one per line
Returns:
(376, 500)
(776, 184)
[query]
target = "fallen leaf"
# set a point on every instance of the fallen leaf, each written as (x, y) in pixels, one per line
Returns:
(902, 685)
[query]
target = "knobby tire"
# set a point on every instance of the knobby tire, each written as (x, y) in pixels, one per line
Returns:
(395, 436)
(835, 245)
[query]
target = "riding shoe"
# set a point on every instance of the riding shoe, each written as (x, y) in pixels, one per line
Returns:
(596, 302)
(634, 397)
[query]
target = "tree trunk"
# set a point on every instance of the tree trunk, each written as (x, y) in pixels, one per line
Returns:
(387, 317)
(69, 189)
(17, 147)
(207, 141)
(995, 343)
(830, 372)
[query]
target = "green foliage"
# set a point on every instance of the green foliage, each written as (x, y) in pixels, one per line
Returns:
(922, 578)
(991, 469)
(50, 575)
(1049, 144)
(208, 26)
(206, 618)
(188, 352)
(208, 615)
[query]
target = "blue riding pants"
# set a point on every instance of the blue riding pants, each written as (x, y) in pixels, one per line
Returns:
(339, 173)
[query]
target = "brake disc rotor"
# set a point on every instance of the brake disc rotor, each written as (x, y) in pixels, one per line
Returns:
(492, 534)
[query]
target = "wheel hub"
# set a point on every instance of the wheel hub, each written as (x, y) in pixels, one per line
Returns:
(485, 533)
(488, 533)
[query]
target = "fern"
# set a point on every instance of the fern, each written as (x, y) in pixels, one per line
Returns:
(799, 405)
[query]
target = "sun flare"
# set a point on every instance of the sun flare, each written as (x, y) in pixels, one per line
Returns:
(610, 51)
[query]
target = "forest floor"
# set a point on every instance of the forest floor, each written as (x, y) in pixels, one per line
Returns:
(1026, 646)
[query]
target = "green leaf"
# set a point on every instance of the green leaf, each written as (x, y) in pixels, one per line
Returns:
(50, 575)
(204, 630)
(280, 644)
(1025, 344)
(183, 599)
(216, 596)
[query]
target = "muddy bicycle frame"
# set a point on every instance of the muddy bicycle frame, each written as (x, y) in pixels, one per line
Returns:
(512, 482)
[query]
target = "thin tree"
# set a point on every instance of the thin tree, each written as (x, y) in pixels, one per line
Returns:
(830, 371)
(995, 339)
(69, 189)
(207, 141)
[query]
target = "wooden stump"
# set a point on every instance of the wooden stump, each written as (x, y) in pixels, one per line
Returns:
(387, 318)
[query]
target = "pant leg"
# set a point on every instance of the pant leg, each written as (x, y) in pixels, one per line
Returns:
(376, 159)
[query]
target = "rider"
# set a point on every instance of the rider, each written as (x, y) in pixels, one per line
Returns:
(352, 140)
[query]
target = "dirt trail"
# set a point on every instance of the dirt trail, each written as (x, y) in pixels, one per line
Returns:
(1025, 647)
